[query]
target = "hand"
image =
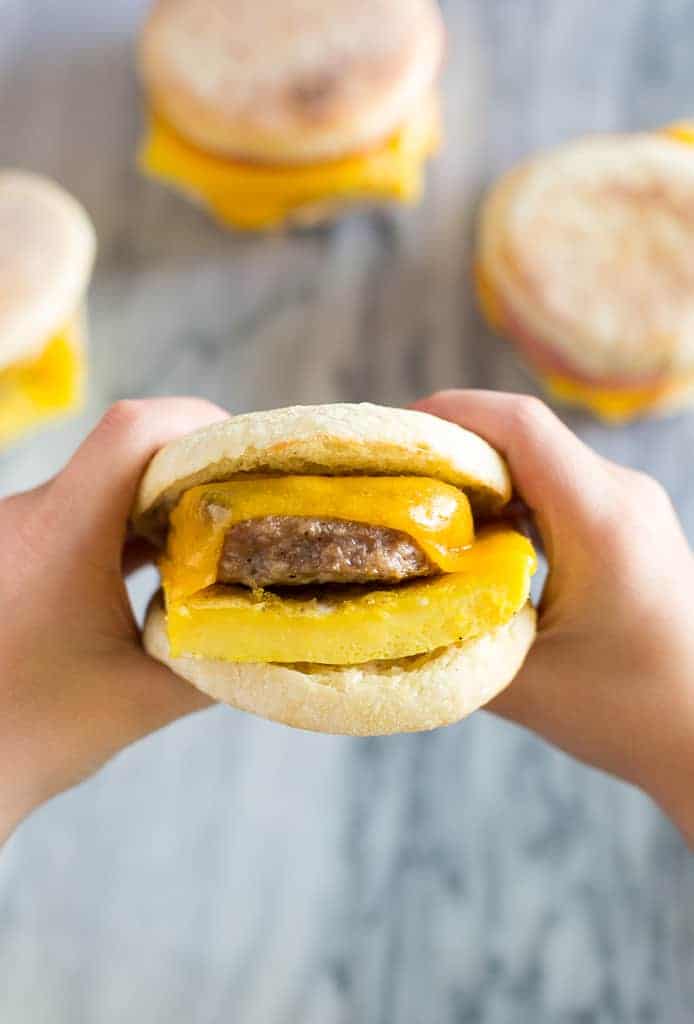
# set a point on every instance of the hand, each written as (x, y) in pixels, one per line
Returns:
(610, 678)
(75, 685)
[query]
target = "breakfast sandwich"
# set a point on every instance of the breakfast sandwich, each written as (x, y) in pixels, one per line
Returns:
(340, 568)
(47, 247)
(585, 262)
(270, 112)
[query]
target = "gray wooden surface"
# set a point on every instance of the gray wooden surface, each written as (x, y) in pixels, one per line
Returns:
(230, 870)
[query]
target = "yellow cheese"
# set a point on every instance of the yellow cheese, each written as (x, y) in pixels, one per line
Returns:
(682, 131)
(434, 514)
(488, 301)
(233, 624)
(42, 387)
(255, 196)
(614, 405)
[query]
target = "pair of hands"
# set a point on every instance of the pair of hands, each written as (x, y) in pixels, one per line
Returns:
(610, 678)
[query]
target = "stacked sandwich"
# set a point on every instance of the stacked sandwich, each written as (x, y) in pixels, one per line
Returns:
(338, 568)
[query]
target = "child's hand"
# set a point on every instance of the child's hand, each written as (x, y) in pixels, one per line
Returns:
(75, 686)
(611, 676)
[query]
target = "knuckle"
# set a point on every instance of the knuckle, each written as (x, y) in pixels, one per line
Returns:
(640, 510)
(124, 417)
(204, 405)
(530, 415)
(446, 394)
(444, 398)
(647, 490)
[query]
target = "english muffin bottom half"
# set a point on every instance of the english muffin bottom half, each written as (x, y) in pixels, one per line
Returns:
(584, 262)
(283, 112)
(340, 568)
(47, 247)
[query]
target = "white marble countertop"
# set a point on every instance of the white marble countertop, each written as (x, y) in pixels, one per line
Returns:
(228, 869)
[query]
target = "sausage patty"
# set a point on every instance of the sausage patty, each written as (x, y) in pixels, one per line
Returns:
(298, 550)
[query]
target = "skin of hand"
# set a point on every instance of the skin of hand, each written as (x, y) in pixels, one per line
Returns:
(610, 678)
(76, 687)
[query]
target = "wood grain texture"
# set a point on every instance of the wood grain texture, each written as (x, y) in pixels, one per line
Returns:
(232, 870)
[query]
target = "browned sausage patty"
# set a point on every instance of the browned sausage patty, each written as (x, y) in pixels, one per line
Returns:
(297, 550)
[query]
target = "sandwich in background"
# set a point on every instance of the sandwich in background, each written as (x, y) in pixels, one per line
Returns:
(586, 262)
(339, 568)
(47, 247)
(270, 112)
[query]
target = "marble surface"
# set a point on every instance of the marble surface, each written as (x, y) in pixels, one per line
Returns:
(228, 869)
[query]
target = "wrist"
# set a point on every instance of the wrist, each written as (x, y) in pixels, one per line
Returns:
(679, 807)
(20, 792)
(671, 786)
(12, 813)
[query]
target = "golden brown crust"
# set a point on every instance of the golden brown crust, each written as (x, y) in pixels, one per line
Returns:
(590, 246)
(282, 81)
(47, 247)
(333, 440)
(364, 700)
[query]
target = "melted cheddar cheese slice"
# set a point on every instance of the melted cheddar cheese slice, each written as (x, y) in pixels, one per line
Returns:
(256, 196)
(682, 131)
(365, 624)
(614, 405)
(434, 514)
(484, 581)
(44, 386)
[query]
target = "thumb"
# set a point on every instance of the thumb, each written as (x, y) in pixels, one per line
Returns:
(93, 495)
(560, 478)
